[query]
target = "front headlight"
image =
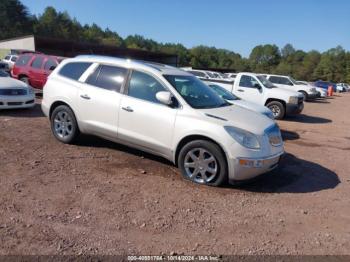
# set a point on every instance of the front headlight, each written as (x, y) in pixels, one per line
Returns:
(293, 100)
(243, 137)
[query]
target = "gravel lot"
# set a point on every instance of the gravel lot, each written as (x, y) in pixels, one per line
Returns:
(97, 197)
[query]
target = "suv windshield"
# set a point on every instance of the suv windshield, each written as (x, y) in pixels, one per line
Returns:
(265, 82)
(195, 92)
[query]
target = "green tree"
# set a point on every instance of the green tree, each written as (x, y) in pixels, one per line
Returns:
(14, 19)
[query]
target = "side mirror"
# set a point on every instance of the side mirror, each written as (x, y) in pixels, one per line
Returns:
(257, 86)
(164, 97)
(52, 68)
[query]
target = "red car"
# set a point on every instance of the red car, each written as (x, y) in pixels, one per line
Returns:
(34, 68)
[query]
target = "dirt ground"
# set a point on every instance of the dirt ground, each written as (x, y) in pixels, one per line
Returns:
(98, 197)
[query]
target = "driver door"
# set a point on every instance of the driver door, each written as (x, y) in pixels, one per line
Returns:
(250, 89)
(143, 120)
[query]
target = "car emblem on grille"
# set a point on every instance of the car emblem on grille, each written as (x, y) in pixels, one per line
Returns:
(14, 92)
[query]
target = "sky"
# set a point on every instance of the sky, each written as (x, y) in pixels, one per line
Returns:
(236, 25)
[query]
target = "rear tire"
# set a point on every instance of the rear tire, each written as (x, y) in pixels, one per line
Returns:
(277, 109)
(24, 79)
(203, 162)
(64, 124)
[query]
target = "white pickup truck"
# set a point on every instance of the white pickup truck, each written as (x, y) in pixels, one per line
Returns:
(308, 92)
(257, 89)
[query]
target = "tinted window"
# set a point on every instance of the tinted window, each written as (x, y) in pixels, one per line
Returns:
(108, 77)
(23, 60)
(14, 59)
(285, 81)
(49, 64)
(248, 81)
(38, 61)
(274, 79)
(144, 87)
(74, 70)
(7, 57)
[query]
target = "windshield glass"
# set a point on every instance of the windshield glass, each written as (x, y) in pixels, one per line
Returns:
(195, 92)
(3, 74)
(293, 80)
(225, 94)
(265, 82)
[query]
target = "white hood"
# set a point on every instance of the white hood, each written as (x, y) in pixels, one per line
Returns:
(239, 117)
(8, 82)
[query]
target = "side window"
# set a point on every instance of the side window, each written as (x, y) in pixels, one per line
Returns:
(23, 60)
(74, 70)
(50, 63)
(14, 59)
(7, 57)
(108, 77)
(285, 81)
(144, 87)
(248, 81)
(274, 79)
(38, 61)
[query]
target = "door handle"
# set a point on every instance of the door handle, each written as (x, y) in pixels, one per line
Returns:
(85, 96)
(240, 90)
(128, 109)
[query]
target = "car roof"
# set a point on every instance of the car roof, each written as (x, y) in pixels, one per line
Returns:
(131, 63)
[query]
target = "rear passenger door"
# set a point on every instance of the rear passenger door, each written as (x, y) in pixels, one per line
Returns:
(99, 99)
(36, 73)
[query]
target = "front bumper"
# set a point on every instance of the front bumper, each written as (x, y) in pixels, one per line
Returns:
(240, 172)
(16, 102)
(292, 109)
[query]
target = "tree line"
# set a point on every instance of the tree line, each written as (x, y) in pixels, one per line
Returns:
(332, 65)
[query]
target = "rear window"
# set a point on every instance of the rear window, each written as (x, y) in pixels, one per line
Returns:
(23, 60)
(74, 70)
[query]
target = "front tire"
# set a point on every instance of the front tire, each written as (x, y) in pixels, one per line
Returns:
(203, 162)
(64, 124)
(304, 95)
(24, 79)
(277, 109)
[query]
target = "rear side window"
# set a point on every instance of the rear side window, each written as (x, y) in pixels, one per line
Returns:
(108, 77)
(7, 57)
(74, 70)
(23, 60)
(38, 62)
(274, 79)
(50, 64)
(14, 59)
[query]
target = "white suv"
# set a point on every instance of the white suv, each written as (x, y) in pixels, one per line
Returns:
(164, 111)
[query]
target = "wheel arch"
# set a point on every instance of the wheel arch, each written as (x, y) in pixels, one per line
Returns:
(185, 140)
(278, 100)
